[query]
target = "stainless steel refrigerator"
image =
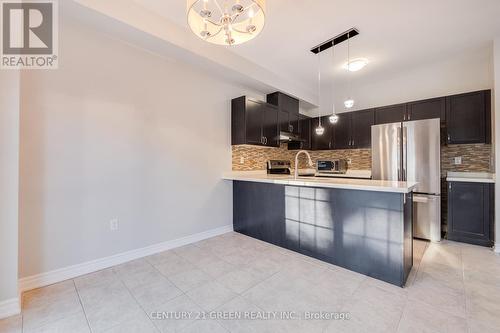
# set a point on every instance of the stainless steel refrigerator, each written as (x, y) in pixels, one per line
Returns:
(410, 151)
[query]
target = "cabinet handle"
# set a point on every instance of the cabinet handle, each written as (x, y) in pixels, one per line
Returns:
(329, 145)
(352, 144)
(449, 186)
(409, 116)
(262, 140)
(291, 126)
(449, 137)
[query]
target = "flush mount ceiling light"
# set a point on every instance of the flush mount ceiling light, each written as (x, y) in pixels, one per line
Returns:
(226, 22)
(349, 103)
(355, 64)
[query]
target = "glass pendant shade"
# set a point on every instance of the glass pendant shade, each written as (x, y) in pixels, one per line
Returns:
(226, 22)
(334, 118)
(320, 130)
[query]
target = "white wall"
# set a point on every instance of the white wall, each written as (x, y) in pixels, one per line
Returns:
(117, 132)
(9, 172)
(496, 108)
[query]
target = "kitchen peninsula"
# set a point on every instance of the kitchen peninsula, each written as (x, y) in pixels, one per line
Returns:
(359, 224)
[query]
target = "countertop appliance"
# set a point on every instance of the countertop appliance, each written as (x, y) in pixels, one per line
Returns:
(278, 167)
(410, 151)
(328, 167)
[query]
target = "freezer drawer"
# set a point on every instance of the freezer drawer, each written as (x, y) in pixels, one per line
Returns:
(427, 217)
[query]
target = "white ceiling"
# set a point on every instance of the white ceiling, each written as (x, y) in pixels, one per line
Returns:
(394, 34)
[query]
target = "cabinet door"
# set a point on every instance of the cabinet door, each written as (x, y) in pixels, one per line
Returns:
(270, 125)
(284, 122)
(466, 118)
(294, 123)
(427, 109)
(361, 128)
(390, 114)
(342, 132)
(305, 132)
(321, 142)
(254, 120)
(469, 212)
(293, 109)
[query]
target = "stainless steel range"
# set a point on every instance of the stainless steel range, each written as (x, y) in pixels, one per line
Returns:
(278, 167)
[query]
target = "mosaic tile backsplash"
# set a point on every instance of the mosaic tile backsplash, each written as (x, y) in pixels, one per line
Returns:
(251, 158)
(475, 157)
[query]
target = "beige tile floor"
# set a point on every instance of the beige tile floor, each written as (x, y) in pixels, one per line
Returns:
(452, 288)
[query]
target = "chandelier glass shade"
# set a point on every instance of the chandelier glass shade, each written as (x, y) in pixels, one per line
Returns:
(226, 22)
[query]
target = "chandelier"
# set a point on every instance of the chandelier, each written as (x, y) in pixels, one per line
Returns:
(226, 22)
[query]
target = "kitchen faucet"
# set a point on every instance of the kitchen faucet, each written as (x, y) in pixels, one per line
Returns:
(310, 162)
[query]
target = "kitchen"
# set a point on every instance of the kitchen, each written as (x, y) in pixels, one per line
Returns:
(404, 143)
(250, 166)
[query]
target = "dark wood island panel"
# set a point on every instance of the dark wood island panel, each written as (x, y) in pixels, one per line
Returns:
(369, 232)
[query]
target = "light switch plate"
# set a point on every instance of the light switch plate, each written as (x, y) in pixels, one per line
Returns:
(457, 160)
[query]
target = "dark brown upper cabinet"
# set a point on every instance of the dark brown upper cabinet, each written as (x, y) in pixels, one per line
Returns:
(305, 135)
(390, 114)
(254, 122)
(468, 118)
(342, 132)
(322, 142)
(288, 111)
(353, 130)
(428, 109)
(361, 128)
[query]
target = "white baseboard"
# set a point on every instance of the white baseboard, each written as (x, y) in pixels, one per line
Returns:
(9, 308)
(497, 248)
(62, 274)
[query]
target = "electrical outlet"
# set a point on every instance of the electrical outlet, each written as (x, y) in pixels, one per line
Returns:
(113, 225)
(242, 160)
(457, 160)
(349, 161)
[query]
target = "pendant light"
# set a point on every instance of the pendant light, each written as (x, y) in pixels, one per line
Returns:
(319, 130)
(333, 118)
(349, 102)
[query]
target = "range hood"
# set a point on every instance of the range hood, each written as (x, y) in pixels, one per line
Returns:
(289, 137)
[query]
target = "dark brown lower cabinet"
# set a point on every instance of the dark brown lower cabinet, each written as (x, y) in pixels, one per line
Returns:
(470, 212)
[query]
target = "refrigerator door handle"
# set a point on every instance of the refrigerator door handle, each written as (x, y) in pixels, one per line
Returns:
(405, 147)
(420, 199)
(399, 153)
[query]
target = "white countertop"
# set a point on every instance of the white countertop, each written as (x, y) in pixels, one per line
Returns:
(341, 183)
(471, 177)
(362, 174)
